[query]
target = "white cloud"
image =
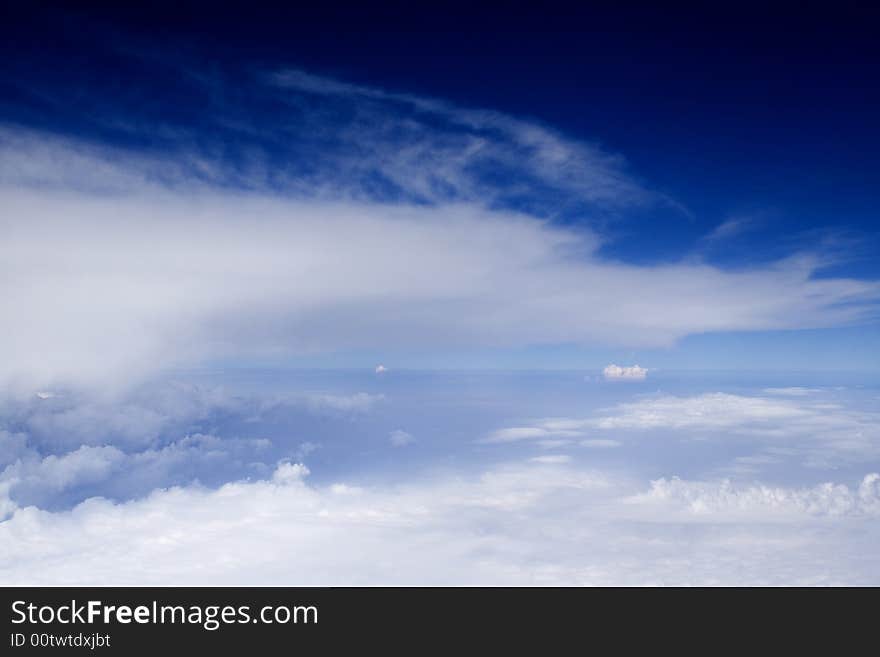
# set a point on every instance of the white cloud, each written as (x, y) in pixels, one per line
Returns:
(717, 410)
(357, 402)
(600, 443)
(795, 391)
(399, 438)
(551, 428)
(729, 228)
(59, 479)
(821, 433)
(793, 425)
(724, 500)
(552, 459)
(618, 373)
(147, 275)
(381, 369)
(289, 473)
(434, 150)
(534, 523)
(512, 434)
(58, 472)
(553, 443)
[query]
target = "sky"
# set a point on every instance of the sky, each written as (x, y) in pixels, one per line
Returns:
(361, 296)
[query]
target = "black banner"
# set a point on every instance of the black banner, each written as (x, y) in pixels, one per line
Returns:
(150, 620)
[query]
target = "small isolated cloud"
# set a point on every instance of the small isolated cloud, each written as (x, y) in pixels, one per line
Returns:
(794, 391)
(600, 443)
(616, 373)
(290, 473)
(544, 430)
(552, 459)
(553, 443)
(400, 438)
(381, 369)
(45, 394)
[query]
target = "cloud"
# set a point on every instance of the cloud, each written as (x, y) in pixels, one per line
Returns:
(799, 425)
(791, 392)
(58, 472)
(600, 443)
(729, 229)
(717, 410)
(305, 449)
(632, 373)
(553, 443)
(400, 438)
(381, 369)
(548, 428)
(512, 434)
(821, 432)
(179, 257)
(358, 402)
(532, 523)
(58, 480)
(551, 459)
(77, 444)
(434, 150)
(724, 500)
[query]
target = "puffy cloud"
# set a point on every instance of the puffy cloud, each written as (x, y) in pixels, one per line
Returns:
(381, 369)
(533, 523)
(57, 480)
(724, 500)
(122, 445)
(290, 473)
(618, 373)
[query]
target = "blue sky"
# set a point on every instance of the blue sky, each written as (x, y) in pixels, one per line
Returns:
(375, 297)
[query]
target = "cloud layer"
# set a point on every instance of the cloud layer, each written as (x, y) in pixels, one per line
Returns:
(543, 522)
(797, 424)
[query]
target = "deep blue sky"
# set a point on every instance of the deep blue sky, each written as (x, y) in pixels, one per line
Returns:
(767, 117)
